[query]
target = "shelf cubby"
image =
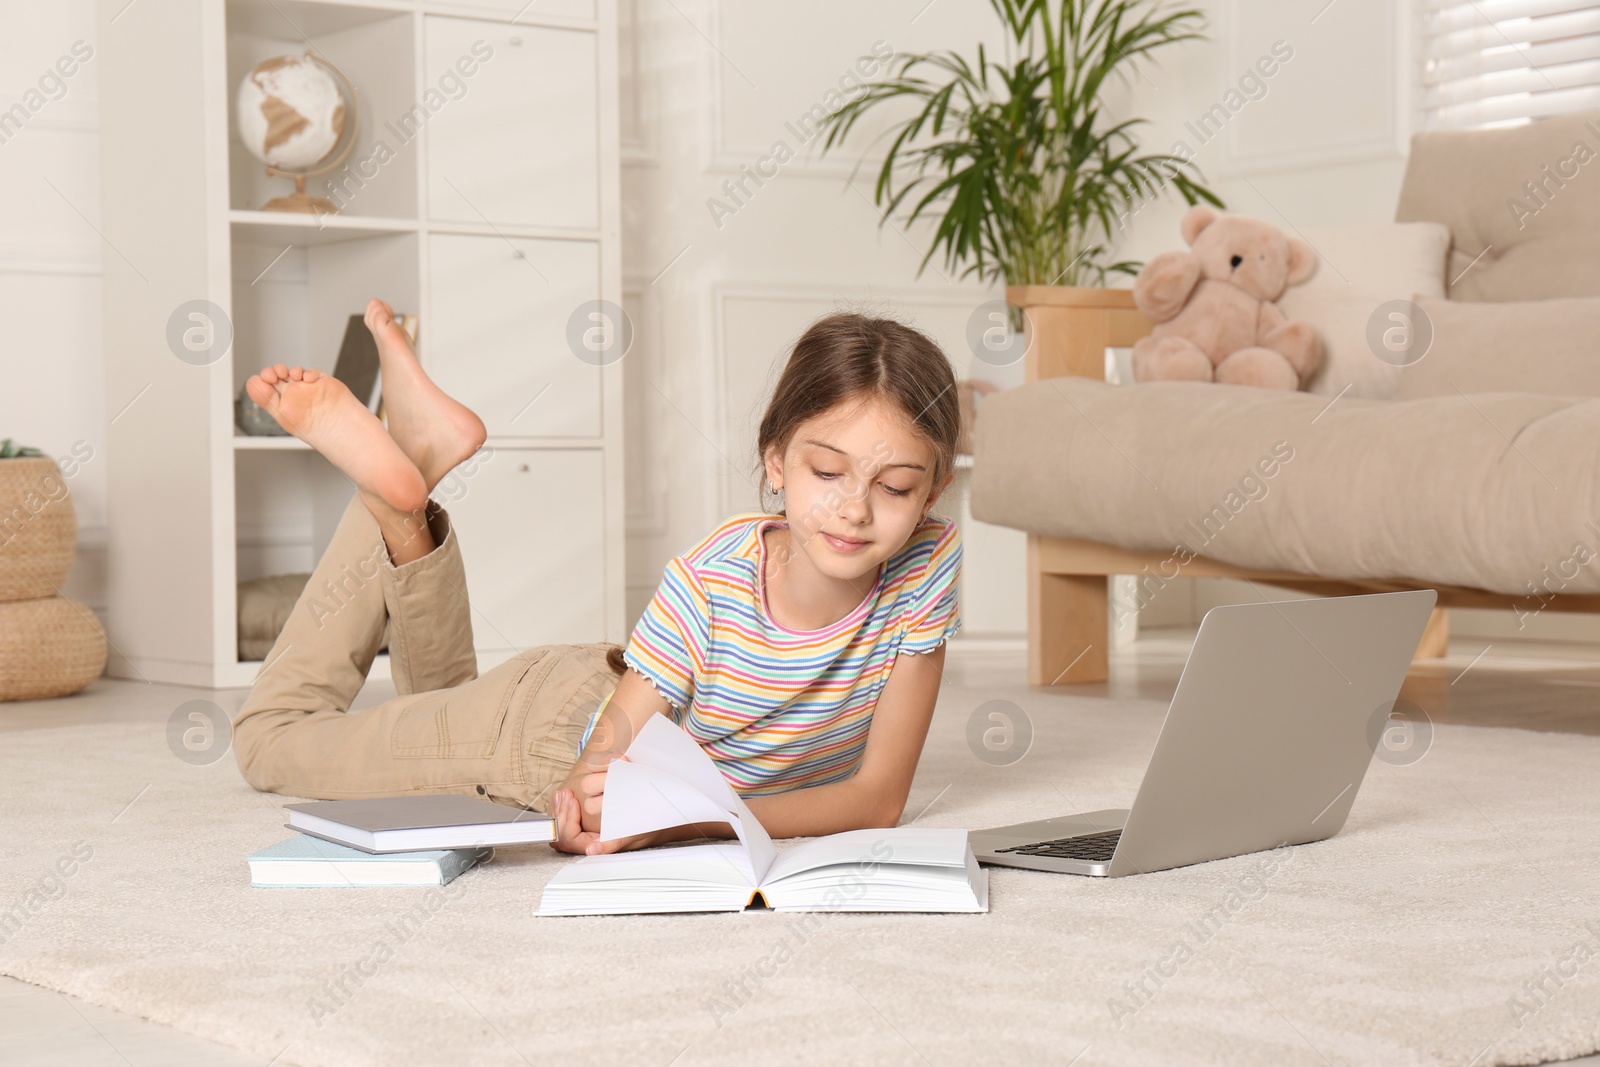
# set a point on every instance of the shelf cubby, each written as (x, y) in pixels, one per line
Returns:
(532, 143)
(372, 46)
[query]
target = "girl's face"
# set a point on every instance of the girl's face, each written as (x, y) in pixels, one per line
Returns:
(856, 481)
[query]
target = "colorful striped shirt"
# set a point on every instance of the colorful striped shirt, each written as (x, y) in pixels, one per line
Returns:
(775, 708)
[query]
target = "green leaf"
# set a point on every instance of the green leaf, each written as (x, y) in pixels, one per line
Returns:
(1009, 159)
(9, 449)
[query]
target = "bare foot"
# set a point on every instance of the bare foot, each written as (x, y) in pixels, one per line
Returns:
(433, 430)
(321, 411)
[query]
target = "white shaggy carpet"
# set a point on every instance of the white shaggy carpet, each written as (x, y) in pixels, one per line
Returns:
(1408, 939)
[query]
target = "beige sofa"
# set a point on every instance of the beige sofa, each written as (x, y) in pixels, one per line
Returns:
(1478, 475)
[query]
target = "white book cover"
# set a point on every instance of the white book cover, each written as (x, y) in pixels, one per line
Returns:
(306, 862)
(411, 822)
(668, 780)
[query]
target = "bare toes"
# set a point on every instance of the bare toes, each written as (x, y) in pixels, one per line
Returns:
(312, 374)
(297, 373)
(260, 390)
(283, 371)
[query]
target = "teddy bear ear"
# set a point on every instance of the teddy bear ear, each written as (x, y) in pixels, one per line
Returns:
(1302, 261)
(1196, 219)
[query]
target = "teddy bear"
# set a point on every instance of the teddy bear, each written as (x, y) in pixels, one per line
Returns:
(1213, 306)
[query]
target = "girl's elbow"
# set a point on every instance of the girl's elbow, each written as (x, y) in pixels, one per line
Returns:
(879, 805)
(884, 814)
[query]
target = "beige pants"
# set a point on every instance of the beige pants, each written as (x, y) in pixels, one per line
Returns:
(511, 735)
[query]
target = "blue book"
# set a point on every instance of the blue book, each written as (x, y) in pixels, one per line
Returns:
(306, 862)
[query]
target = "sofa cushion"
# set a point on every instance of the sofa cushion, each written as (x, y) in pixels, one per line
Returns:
(1359, 269)
(1340, 317)
(1534, 346)
(1522, 204)
(1499, 492)
(1396, 259)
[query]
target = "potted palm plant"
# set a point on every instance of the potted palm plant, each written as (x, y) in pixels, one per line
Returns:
(1026, 181)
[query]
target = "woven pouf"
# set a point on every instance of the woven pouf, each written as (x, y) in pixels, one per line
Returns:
(49, 647)
(38, 529)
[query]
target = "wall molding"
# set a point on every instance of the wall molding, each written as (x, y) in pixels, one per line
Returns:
(636, 135)
(62, 115)
(650, 520)
(725, 158)
(51, 259)
(1385, 142)
(85, 581)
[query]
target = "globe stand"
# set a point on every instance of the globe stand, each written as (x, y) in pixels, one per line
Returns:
(299, 201)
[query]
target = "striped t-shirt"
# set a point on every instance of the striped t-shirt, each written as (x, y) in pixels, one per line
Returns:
(780, 709)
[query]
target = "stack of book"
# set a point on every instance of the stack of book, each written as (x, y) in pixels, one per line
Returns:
(392, 841)
(666, 781)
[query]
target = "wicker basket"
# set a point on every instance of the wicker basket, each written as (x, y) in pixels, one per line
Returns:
(49, 647)
(38, 529)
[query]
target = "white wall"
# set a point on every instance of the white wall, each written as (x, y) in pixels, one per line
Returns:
(1321, 141)
(52, 393)
(709, 87)
(713, 84)
(1324, 143)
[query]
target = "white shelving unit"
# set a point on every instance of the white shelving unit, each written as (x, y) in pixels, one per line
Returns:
(482, 194)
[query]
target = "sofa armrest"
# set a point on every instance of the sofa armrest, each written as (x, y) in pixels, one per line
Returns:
(1070, 328)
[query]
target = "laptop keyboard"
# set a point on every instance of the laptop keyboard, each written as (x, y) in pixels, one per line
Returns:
(1092, 847)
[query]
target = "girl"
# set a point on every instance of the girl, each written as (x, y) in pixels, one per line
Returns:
(801, 648)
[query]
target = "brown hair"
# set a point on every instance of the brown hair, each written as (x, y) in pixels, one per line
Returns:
(847, 355)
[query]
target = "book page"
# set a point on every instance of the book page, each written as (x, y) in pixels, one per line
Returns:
(639, 799)
(677, 879)
(716, 863)
(665, 746)
(668, 780)
(906, 845)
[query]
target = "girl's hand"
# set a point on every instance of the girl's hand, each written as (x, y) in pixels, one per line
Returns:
(588, 786)
(572, 837)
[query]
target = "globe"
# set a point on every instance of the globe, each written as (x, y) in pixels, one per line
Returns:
(297, 114)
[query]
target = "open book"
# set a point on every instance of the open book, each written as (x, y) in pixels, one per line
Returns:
(668, 780)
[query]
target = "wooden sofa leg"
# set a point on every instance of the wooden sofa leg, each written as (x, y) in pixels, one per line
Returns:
(1435, 641)
(1067, 621)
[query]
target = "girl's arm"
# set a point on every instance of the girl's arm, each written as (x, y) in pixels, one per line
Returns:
(876, 795)
(578, 801)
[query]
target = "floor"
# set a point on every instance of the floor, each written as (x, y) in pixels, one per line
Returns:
(1538, 686)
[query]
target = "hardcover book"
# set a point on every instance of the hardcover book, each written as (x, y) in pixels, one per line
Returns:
(668, 780)
(414, 821)
(305, 862)
(358, 366)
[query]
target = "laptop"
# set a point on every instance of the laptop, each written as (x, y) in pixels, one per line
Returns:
(1265, 743)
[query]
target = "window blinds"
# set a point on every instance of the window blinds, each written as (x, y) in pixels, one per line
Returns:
(1505, 62)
